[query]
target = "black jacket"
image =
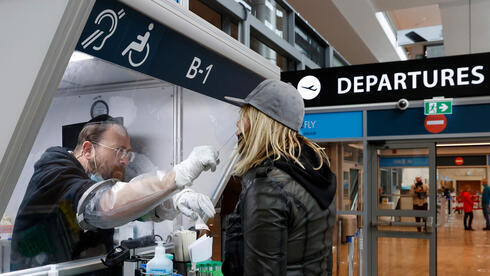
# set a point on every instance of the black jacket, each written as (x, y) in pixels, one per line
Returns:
(279, 227)
(46, 229)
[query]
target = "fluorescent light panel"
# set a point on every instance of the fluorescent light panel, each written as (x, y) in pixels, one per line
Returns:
(390, 34)
(464, 144)
(79, 56)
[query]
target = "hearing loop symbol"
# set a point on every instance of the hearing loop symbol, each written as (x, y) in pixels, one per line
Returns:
(110, 15)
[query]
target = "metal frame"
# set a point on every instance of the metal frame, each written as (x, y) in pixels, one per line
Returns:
(373, 212)
(392, 105)
(43, 90)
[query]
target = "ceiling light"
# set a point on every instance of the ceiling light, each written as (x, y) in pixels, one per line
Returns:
(79, 56)
(464, 144)
(390, 34)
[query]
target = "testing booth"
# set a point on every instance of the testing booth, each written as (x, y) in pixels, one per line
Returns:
(155, 66)
(386, 125)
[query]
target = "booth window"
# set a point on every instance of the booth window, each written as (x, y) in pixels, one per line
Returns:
(309, 46)
(205, 12)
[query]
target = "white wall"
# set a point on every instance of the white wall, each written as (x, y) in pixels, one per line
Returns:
(409, 175)
(26, 35)
(466, 26)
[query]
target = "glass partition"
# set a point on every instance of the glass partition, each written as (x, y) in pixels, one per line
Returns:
(48, 229)
(403, 184)
(346, 161)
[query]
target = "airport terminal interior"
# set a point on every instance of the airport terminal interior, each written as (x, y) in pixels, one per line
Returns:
(396, 94)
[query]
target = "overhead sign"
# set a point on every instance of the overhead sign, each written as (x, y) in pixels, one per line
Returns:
(409, 161)
(410, 121)
(438, 106)
(333, 125)
(435, 123)
(468, 160)
(451, 77)
(121, 35)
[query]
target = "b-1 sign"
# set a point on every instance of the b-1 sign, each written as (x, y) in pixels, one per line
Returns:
(438, 106)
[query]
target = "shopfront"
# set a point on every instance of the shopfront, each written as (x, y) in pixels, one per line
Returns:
(388, 126)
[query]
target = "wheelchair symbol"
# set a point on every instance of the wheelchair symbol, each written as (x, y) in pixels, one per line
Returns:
(139, 47)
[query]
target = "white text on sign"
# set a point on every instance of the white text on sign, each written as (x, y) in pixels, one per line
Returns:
(309, 124)
(194, 70)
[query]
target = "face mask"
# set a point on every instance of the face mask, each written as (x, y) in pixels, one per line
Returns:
(96, 177)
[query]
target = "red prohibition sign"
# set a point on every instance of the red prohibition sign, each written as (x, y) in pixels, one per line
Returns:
(435, 123)
(459, 161)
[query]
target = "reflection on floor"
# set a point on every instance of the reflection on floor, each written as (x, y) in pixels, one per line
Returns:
(459, 252)
(463, 252)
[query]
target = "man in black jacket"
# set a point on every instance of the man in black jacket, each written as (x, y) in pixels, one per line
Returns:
(75, 199)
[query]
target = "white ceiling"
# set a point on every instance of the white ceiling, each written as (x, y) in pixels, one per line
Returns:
(351, 25)
(94, 72)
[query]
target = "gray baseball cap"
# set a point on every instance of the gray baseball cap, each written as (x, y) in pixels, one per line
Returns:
(278, 100)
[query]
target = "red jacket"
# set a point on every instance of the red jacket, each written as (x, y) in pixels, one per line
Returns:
(467, 202)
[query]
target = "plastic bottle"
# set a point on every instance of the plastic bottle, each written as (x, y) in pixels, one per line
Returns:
(160, 264)
(171, 258)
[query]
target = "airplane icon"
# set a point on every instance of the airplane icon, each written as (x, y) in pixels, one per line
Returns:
(310, 88)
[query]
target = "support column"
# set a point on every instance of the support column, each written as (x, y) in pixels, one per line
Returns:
(466, 26)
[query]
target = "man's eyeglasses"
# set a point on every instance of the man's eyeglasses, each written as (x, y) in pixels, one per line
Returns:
(120, 153)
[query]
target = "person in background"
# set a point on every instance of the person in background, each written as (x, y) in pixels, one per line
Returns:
(283, 222)
(419, 192)
(485, 203)
(75, 199)
(468, 210)
(447, 195)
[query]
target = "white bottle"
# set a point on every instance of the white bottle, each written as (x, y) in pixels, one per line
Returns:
(160, 264)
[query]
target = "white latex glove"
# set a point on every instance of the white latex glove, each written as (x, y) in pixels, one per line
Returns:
(164, 211)
(192, 204)
(202, 158)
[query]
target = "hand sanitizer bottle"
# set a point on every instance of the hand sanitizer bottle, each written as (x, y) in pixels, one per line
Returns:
(160, 264)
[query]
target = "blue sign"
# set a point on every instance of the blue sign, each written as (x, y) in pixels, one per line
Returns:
(332, 125)
(119, 34)
(411, 161)
(465, 119)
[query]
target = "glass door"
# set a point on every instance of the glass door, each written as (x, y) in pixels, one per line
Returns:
(402, 209)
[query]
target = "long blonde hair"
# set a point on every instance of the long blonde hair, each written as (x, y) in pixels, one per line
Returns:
(267, 138)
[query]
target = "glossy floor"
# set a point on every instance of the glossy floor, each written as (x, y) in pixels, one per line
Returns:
(459, 252)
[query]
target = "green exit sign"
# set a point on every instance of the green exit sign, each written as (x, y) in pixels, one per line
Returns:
(438, 106)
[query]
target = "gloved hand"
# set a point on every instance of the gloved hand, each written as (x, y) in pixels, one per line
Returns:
(192, 204)
(202, 158)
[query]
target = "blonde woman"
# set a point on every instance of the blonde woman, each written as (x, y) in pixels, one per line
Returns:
(282, 224)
